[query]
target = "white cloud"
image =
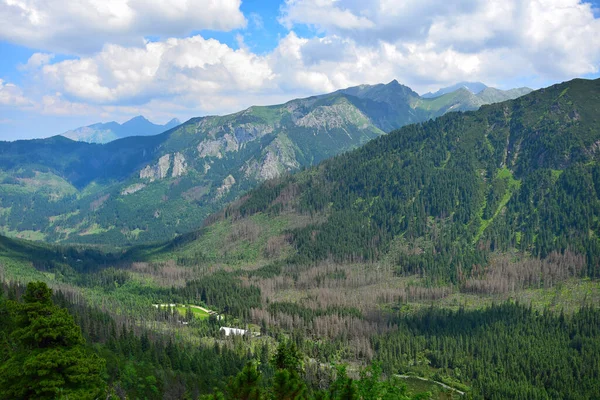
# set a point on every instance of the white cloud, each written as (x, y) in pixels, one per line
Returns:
(36, 61)
(56, 105)
(320, 65)
(11, 95)
(84, 26)
(422, 43)
(256, 20)
(176, 67)
(551, 38)
(324, 14)
(368, 21)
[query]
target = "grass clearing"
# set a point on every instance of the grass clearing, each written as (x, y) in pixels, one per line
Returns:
(513, 186)
(242, 243)
(35, 236)
(198, 313)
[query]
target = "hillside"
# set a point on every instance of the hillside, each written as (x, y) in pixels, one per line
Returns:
(142, 189)
(444, 198)
(438, 252)
(109, 131)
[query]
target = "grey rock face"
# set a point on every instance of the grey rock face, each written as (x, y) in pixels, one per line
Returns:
(158, 171)
(179, 165)
(228, 183)
(132, 189)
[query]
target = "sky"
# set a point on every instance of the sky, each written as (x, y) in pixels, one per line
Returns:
(65, 64)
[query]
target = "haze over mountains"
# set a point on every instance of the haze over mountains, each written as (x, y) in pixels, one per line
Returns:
(151, 188)
(109, 131)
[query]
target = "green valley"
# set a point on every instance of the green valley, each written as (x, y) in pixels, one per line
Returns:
(453, 258)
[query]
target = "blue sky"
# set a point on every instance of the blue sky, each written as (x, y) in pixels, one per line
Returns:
(68, 64)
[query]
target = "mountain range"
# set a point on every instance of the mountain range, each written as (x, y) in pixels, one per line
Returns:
(150, 188)
(461, 251)
(109, 131)
(519, 179)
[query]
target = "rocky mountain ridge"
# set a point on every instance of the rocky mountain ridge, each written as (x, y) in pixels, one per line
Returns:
(141, 189)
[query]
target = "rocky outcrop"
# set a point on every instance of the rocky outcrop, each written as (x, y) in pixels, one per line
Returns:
(225, 187)
(157, 171)
(217, 147)
(247, 132)
(163, 166)
(132, 189)
(210, 148)
(277, 158)
(179, 165)
(334, 116)
(160, 170)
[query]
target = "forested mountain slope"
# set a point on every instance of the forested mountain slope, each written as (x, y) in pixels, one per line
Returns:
(438, 198)
(141, 189)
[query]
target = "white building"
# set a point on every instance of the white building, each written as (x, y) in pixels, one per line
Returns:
(232, 331)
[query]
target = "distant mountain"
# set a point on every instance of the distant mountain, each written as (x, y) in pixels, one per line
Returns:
(153, 187)
(107, 132)
(473, 87)
(491, 95)
(394, 104)
(463, 99)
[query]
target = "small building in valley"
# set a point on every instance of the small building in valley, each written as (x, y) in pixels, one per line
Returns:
(232, 331)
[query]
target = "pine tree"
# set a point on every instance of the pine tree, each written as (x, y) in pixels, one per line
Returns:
(288, 357)
(247, 384)
(49, 360)
(288, 386)
(5, 328)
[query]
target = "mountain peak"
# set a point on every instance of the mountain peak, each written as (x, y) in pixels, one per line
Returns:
(386, 93)
(395, 85)
(473, 87)
(172, 123)
(464, 90)
(107, 132)
(138, 119)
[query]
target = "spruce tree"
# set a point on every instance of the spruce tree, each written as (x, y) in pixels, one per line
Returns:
(48, 358)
